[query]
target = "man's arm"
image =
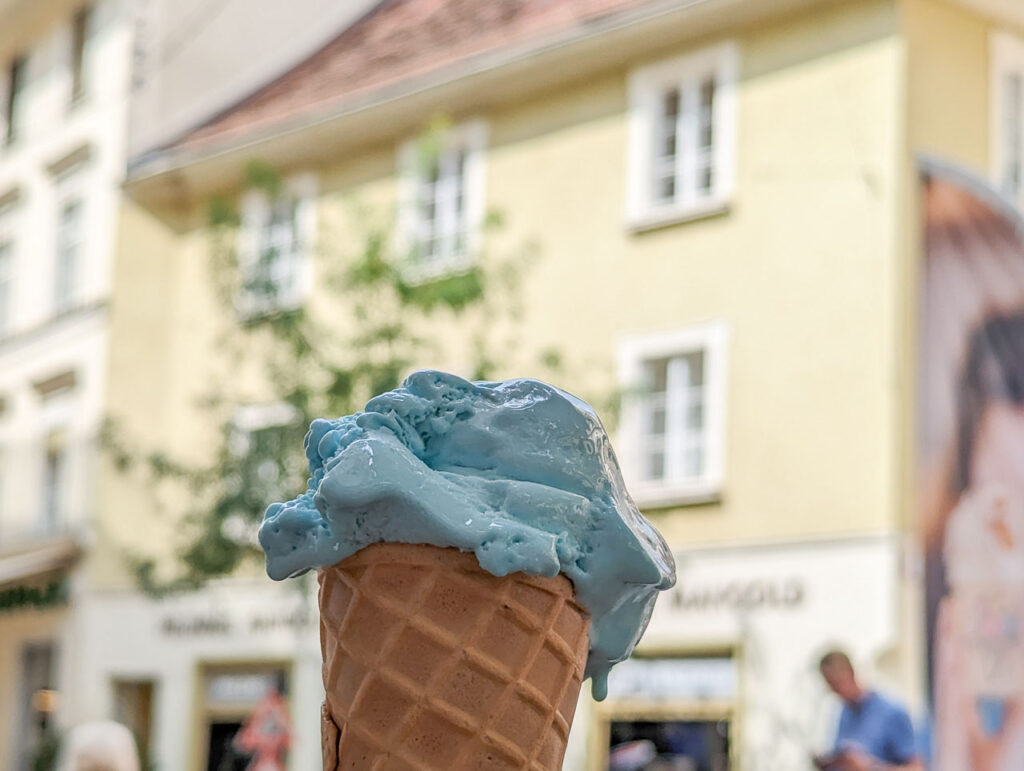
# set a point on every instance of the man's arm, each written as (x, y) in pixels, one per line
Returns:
(859, 761)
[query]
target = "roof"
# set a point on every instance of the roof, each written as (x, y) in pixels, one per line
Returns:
(398, 39)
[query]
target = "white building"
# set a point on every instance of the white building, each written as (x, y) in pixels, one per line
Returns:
(64, 83)
(84, 84)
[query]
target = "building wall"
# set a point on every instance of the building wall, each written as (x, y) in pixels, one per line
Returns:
(42, 341)
(803, 269)
(233, 623)
(800, 268)
(947, 81)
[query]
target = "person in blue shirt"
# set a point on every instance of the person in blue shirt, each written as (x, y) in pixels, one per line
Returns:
(874, 734)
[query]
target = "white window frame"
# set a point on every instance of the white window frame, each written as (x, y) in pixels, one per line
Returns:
(711, 338)
(257, 208)
(68, 192)
(471, 137)
(647, 86)
(56, 413)
(1006, 57)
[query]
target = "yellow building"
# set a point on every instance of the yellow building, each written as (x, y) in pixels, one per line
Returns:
(723, 201)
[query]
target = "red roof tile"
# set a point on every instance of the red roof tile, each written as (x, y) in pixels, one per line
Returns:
(396, 40)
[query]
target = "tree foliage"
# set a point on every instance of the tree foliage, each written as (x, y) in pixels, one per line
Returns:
(369, 324)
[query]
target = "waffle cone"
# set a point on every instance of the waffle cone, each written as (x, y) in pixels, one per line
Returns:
(433, 664)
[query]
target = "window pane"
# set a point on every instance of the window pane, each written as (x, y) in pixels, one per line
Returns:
(69, 235)
(15, 86)
(666, 144)
(705, 136)
(670, 122)
(274, 275)
(657, 419)
(705, 179)
(693, 462)
(53, 483)
(695, 412)
(666, 188)
(695, 367)
(656, 375)
(656, 465)
(79, 30)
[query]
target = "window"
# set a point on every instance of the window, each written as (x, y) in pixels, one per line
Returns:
(15, 88)
(681, 137)
(57, 409)
(265, 464)
(6, 283)
(1007, 117)
(54, 480)
(275, 250)
(441, 211)
(673, 415)
(67, 265)
(672, 712)
(229, 696)
(36, 702)
(79, 34)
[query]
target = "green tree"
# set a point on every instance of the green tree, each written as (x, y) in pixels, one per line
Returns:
(314, 363)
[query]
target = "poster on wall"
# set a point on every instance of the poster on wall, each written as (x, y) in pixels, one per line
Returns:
(970, 462)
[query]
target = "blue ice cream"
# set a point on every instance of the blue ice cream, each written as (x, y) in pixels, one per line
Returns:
(518, 472)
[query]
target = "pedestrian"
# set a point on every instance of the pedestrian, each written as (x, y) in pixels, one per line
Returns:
(874, 732)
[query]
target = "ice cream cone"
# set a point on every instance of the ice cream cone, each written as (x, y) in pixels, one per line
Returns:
(431, 663)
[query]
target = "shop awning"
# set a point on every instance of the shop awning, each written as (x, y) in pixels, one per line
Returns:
(45, 558)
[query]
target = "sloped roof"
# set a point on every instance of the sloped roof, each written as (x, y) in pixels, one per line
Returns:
(398, 39)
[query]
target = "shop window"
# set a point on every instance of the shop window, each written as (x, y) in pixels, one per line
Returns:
(230, 694)
(670, 713)
(673, 415)
(133, 707)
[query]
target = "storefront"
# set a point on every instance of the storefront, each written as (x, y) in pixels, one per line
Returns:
(726, 675)
(35, 585)
(186, 672)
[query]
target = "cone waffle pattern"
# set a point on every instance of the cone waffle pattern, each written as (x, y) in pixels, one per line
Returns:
(433, 664)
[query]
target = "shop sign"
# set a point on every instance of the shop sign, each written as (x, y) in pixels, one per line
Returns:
(38, 596)
(740, 594)
(207, 624)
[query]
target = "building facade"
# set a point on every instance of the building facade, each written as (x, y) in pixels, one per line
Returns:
(65, 97)
(67, 71)
(722, 199)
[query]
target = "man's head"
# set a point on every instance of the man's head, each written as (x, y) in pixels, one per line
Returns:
(838, 672)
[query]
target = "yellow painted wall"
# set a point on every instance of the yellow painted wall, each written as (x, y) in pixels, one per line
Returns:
(947, 81)
(801, 268)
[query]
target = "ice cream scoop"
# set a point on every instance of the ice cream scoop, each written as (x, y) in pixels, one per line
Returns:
(518, 472)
